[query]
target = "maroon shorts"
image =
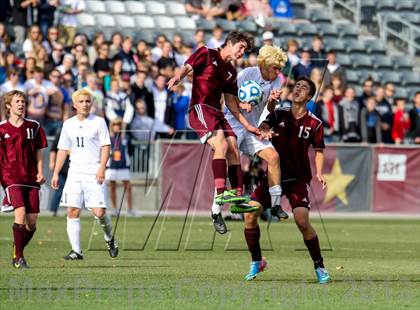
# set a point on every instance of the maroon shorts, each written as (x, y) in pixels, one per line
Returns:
(26, 196)
(296, 192)
(206, 120)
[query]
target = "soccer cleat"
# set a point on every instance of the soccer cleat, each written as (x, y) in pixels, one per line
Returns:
(73, 256)
(255, 268)
(278, 212)
(243, 208)
(322, 275)
(230, 196)
(219, 223)
(112, 247)
(6, 208)
(20, 263)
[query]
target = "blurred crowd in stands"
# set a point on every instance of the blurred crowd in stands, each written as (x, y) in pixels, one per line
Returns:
(127, 78)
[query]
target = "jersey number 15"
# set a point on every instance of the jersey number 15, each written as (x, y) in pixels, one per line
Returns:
(304, 132)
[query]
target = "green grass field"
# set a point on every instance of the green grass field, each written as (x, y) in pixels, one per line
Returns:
(375, 264)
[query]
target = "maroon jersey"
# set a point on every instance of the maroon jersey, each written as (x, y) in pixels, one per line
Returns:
(293, 141)
(18, 152)
(211, 78)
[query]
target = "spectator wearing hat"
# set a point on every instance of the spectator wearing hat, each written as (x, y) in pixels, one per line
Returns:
(268, 37)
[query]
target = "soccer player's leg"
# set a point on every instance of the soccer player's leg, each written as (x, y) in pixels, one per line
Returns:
(95, 200)
(270, 155)
(16, 198)
(219, 145)
(72, 200)
(260, 198)
(297, 194)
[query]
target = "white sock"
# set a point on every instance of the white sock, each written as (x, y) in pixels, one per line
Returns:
(106, 224)
(275, 193)
(215, 208)
(73, 232)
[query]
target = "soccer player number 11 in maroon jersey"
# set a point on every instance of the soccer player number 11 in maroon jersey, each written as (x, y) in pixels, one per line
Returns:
(214, 76)
(21, 141)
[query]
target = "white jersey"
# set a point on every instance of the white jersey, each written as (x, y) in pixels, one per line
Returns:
(253, 117)
(84, 140)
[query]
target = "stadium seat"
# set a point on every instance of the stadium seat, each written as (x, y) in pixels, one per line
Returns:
(391, 76)
(386, 6)
(285, 28)
(352, 77)
(402, 62)
(368, 11)
(327, 30)
(405, 5)
(86, 20)
(361, 61)
(306, 29)
(382, 62)
(155, 8)
(134, 7)
(300, 13)
(334, 44)
(227, 25)
(165, 22)
(365, 74)
(375, 47)
(114, 7)
(358, 89)
(412, 17)
(125, 21)
(185, 23)
(205, 24)
(175, 8)
(344, 60)
(320, 16)
(105, 20)
(145, 22)
(412, 91)
(147, 35)
(248, 25)
(347, 31)
(411, 79)
(355, 46)
(401, 93)
(95, 6)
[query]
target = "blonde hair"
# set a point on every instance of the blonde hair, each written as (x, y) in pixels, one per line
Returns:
(80, 92)
(271, 55)
(118, 121)
(8, 97)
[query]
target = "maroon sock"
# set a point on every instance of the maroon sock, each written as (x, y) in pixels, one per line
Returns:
(315, 251)
(28, 236)
(219, 172)
(236, 178)
(252, 237)
(19, 239)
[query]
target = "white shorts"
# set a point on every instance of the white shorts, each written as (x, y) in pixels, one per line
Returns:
(82, 189)
(248, 143)
(117, 174)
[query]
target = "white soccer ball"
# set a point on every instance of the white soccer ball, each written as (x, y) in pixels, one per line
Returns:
(250, 92)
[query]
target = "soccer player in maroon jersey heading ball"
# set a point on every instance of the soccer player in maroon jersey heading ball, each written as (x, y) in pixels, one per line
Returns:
(21, 141)
(214, 76)
(293, 130)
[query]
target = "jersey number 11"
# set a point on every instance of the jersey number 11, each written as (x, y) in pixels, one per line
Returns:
(80, 142)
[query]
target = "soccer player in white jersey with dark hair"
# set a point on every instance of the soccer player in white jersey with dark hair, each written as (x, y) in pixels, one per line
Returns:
(86, 137)
(270, 61)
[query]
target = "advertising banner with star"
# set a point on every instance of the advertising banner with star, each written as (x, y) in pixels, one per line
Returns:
(347, 170)
(396, 180)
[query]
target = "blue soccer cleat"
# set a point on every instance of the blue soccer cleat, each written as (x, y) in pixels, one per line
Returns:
(255, 268)
(322, 275)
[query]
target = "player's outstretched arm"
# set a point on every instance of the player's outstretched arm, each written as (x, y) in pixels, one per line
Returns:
(232, 103)
(61, 158)
(183, 72)
(100, 175)
(319, 165)
(40, 176)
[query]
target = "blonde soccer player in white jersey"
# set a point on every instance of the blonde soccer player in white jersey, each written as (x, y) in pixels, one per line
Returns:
(85, 136)
(270, 60)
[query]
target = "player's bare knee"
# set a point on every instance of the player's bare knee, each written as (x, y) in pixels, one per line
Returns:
(302, 224)
(73, 213)
(98, 212)
(273, 157)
